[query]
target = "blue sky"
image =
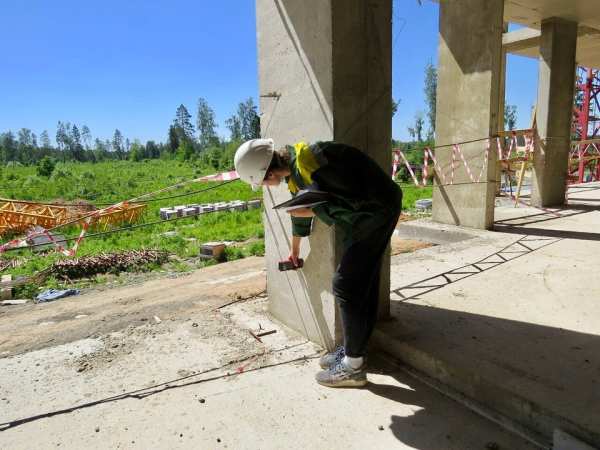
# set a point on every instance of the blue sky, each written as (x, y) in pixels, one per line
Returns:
(128, 65)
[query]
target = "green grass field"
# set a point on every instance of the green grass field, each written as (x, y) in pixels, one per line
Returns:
(111, 182)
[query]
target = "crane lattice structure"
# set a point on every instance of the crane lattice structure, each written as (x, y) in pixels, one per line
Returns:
(18, 216)
(584, 162)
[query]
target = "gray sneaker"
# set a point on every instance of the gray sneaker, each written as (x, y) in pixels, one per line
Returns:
(341, 375)
(331, 359)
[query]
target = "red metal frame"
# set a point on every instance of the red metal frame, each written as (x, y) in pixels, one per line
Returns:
(586, 124)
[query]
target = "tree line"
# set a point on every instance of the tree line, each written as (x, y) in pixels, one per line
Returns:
(185, 140)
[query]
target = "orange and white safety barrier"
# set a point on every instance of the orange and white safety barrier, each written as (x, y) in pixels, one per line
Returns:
(456, 154)
(223, 176)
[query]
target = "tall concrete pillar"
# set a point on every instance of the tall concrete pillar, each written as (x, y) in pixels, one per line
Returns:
(558, 47)
(468, 105)
(324, 74)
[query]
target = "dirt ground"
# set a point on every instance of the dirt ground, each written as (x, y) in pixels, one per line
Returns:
(36, 326)
(407, 245)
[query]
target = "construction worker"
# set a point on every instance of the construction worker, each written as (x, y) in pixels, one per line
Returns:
(364, 203)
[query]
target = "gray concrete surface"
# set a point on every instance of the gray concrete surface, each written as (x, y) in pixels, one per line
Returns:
(327, 66)
(556, 85)
(468, 101)
(510, 318)
(169, 385)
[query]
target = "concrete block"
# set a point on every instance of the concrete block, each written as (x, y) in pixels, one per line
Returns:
(13, 302)
(254, 204)
(5, 292)
(238, 205)
(423, 204)
(213, 250)
(166, 213)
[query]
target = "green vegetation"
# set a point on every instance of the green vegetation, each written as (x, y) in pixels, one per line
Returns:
(112, 181)
(103, 172)
(411, 194)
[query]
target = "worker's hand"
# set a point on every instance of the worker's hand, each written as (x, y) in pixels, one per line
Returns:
(301, 212)
(295, 251)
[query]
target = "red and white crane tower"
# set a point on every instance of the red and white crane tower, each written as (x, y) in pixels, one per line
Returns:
(586, 127)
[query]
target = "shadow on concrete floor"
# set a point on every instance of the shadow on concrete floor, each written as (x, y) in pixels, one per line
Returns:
(544, 216)
(447, 430)
(558, 234)
(517, 249)
(542, 377)
(584, 199)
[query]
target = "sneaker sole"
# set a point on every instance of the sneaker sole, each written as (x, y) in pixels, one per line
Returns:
(344, 384)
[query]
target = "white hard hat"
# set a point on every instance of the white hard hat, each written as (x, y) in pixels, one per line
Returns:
(252, 160)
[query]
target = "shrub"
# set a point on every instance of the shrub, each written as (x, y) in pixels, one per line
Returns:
(45, 167)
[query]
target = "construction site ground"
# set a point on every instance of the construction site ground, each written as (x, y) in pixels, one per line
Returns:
(171, 363)
(508, 320)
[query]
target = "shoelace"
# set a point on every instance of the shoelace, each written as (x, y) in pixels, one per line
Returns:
(341, 369)
(339, 355)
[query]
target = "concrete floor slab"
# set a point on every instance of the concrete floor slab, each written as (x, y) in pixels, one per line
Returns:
(510, 318)
(169, 384)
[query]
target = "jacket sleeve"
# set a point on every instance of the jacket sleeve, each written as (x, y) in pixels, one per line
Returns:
(301, 226)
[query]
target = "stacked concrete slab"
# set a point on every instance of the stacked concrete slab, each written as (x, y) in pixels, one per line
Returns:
(196, 209)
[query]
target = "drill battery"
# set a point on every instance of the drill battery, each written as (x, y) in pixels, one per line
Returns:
(289, 265)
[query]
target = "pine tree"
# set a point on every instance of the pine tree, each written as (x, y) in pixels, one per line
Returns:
(9, 146)
(510, 117)
(205, 121)
(75, 146)
(117, 144)
(173, 139)
(431, 96)
(86, 137)
(25, 137)
(250, 121)
(245, 124)
(45, 140)
(60, 136)
(183, 121)
(235, 127)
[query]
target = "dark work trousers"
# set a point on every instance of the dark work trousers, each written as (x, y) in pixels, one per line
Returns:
(356, 285)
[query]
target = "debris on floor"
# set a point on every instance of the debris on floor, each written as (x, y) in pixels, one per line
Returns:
(88, 266)
(13, 302)
(54, 294)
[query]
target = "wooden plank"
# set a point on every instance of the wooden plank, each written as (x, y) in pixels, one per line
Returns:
(522, 132)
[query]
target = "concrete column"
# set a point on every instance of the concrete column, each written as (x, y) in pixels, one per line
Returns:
(556, 87)
(468, 99)
(501, 105)
(324, 74)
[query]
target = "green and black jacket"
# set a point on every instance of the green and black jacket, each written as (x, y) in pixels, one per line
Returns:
(364, 197)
